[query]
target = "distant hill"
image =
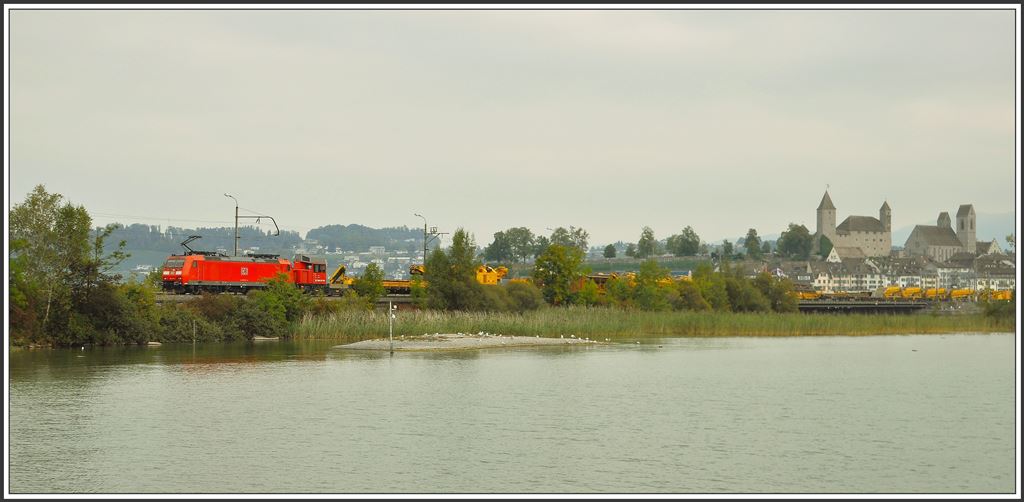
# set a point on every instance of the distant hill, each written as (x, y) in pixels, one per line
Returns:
(359, 238)
(990, 226)
(167, 240)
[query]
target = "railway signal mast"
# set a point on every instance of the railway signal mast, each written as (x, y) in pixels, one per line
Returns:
(277, 231)
(428, 236)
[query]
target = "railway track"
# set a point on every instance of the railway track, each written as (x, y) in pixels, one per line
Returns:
(171, 298)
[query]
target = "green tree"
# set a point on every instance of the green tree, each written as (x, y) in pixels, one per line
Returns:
(1011, 241)
(579, 238)
(280, 296)
(647, 246)
(649, 295)
(690, 243)
(418, 291)
(370, 286)
(540, 244)
(752, 243)
(556, 271)
(23, 295)
(500, 250)
(712, 287)
(524, 296)
(179, 323)
(63, 274)
(824, 246)
(743, 296)
(795, 242)
(588, 295)
(686, 243)
(521, 241)
(561, 237)
(689, 297)
(451, 276)
(766, 248)
(620, 292)
(778, 292)
(727, 250)
(573, 237)
(609, 251)
(260, 316)
(631, 250)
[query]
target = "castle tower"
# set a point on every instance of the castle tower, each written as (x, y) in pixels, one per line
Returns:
(965, 230)
(827, 218)
(885, 216)
(944, 221)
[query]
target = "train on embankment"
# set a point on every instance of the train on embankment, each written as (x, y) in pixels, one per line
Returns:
(194, 272)
(212, 272)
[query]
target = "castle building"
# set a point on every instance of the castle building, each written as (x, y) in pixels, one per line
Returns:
(873, 236)
(940, 241)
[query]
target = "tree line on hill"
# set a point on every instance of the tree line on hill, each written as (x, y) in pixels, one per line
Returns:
(143, 237)
(352, 237)
(360, 238)
(517, 244)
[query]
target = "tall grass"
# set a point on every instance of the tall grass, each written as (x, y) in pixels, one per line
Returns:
(613, 323)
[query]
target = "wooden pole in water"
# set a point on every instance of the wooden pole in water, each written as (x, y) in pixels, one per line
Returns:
(391, 339)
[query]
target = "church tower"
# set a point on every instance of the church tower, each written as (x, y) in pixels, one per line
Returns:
(827, 218)
(885, 216)
(965, 228)
(943, 221)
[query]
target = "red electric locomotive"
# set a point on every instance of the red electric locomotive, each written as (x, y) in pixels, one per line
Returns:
(199, 271)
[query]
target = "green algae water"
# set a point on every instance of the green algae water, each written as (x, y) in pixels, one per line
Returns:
(878, 414)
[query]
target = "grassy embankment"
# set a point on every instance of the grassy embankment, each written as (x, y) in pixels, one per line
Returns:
(613, 323)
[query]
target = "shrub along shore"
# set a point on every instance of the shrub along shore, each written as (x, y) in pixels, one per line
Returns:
(602, 322)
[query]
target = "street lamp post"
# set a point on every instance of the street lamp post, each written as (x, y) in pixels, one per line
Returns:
(236, 223)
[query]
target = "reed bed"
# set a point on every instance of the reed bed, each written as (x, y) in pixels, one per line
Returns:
(615, 323)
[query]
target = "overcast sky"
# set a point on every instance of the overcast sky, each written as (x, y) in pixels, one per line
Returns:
(609, 120)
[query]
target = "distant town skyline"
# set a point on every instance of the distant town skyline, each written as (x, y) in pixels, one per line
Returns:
(610, 120)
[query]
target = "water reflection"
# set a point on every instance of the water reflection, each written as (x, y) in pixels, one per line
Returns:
(27, 363)
(339, 352)
(816, 414)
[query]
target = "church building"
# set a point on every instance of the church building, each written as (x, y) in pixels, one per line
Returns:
(873, 236)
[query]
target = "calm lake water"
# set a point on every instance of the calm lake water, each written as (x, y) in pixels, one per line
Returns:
(888, 414)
